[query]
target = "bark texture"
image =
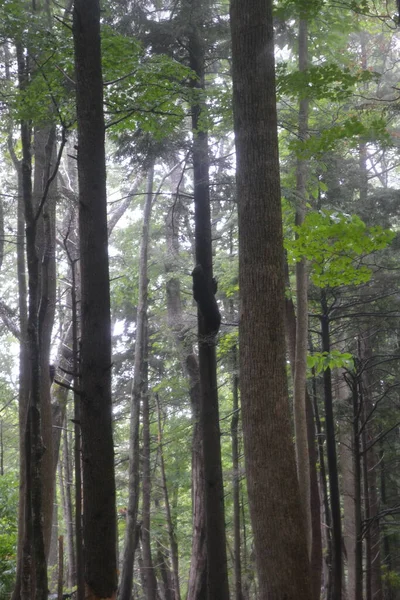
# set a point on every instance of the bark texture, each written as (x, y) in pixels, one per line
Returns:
(300, 369)
(99, 517)
(279, 532)
(190, 366)
(208, 317)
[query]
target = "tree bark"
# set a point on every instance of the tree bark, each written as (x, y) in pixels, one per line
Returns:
(170, 525)
(198, 561)
(236, 478)
(35, 582)
(68, 514)
(315, 500)
(337, 569)
(208, 321)
(370, 461)
(301, 348)
(274, 498)
(99, 516)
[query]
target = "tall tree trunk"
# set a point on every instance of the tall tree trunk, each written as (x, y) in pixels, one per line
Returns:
(208, 321)
(337, 569)
(99, 515)
(44, 150)
(68, 514)
(274, 498)
(371, 461)
(125, 588)
(23, 380)
(34, 546)
(351, 485)
(149, 573)
(315, 500)
(301, 348)
(348, 490)
(236, 478)
(198, 562)
(324, 491)
(171, 530)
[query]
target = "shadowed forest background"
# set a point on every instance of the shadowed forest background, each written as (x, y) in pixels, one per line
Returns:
(199, 300)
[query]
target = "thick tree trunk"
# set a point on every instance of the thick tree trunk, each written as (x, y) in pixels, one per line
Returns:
(125, 588)
(99, 516)
(274, 498)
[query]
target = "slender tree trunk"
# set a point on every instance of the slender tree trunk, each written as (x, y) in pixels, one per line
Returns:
(373, 536)
(315, 501)
(34, 536)
(337, 569)
(125, 588)
(44, 149)
(99, 515)
(301, 348)
(198, 562)
(208, 323)
(171, 530)
(68, 511)
(387, 556)
(274, 498)
(348, 490)
(60, 568)
(23, 379)
(324, 491)
(236, 479)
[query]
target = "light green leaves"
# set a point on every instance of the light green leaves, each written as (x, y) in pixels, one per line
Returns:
(336, 244)
(320, 361)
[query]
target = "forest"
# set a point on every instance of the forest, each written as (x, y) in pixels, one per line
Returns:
(199, 300)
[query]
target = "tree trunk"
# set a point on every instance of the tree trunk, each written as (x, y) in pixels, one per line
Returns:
(125, 588)
(35, 583)
(198, 561)
(68, 515)
(371, 461)
(236, 479)
(208, 323)
(171, 530)
(99, 516)
(301, 348)
(315, 500)
(23, 381)
(44, 150)
(337, 570)
(274, 498)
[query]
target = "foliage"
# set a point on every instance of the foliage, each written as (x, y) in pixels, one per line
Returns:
(328, 81)
(8, 532)
(320, 361)
(336, 244)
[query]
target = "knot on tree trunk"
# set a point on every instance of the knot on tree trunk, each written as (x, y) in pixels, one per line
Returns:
(204, 294)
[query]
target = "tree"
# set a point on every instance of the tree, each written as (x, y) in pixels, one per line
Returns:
(279, 533)
(99, 513)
